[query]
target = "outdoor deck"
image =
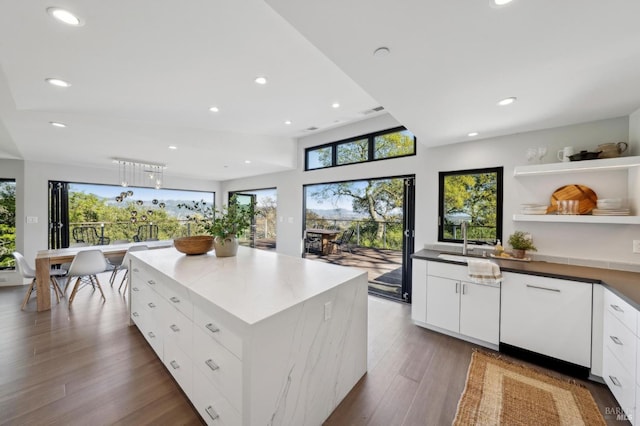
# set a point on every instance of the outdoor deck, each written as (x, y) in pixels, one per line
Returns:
(384, 267)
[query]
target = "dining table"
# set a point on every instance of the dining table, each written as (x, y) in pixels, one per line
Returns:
(326, 235)
(45, 259)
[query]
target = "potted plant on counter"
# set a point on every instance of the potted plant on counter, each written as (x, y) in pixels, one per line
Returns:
(224, 225)
(521, 242)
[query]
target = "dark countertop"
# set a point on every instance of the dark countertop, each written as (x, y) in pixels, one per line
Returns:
(624, 284)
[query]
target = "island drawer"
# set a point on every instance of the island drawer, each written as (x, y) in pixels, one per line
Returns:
(177, 328)
(214, 327)
(219, 365)
(180, 367)
(620, 341)
(212, 406)
(178, 297)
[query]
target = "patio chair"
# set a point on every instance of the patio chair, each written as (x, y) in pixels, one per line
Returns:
(312, 241)
(146, 233)
(89, 235)
(343, 241)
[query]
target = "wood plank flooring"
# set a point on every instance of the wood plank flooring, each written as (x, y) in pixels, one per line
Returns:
(88, 367)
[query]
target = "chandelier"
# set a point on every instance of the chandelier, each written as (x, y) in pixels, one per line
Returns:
(136, 173)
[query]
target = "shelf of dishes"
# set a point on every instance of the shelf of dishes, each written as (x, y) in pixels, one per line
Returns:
(577, 218)
(605, 164)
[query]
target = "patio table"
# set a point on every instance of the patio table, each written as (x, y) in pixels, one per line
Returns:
(326, 235)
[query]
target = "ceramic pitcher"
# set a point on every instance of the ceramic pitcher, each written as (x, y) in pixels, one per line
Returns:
(611, 150)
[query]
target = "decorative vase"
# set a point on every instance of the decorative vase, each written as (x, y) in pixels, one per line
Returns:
(518, 253)
(225, 247)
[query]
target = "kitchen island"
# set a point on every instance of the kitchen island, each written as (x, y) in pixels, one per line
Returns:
(255, 339)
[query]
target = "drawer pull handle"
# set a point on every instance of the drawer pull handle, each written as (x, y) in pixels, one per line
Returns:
(616, 340)
(615, 381)
(212, 328)
(174, 365)
(212, 365)
(152, 282)
(151, 335)
(136, 289)
(151, 305)
(211, 412)
(136, 270)
(464, 289)
(457, 284)
(175, 299)
(617, 308)
(174, 328)
(135, 314)
(543, 288)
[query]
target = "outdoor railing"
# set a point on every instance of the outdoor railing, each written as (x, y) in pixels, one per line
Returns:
(367, 233)
(108, 232)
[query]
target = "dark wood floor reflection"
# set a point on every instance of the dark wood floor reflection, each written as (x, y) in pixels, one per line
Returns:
(87, 367)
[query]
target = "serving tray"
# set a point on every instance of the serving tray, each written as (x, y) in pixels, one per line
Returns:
(587, 198)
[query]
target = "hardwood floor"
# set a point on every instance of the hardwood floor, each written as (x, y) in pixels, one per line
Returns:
(86, 366)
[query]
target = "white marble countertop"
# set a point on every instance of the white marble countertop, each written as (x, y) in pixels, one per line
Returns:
(253, 285)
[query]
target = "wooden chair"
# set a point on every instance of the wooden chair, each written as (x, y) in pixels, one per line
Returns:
(29, 273)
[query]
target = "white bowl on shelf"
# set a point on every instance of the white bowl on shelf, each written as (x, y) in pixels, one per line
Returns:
(609, 203)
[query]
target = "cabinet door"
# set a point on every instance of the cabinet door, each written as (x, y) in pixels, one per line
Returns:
(443, 303)
(547, 316)
(480, 312)
(419, 291)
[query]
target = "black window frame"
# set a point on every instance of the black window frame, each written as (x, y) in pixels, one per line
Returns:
(370, 137)
(499, 202)
(10, 256)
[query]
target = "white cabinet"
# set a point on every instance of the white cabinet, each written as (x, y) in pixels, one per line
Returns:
(620, 352)
(454, 304)
(419, 291)
(548, 316)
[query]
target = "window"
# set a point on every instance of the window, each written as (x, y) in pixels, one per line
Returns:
(91, 214)
(472, 196)
(398, 142)
(352, 152)
(319, 158)
(7, 223)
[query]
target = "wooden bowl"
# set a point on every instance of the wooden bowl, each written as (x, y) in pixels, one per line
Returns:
(198, 244)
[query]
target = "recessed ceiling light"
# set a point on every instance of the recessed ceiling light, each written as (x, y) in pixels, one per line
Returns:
(261, 80)
(507, 101)
(173, 147)
(335, 105)
(214, 109)
(56, 124)
(58, 82)
(501, 2)
(247, 161)
(381, 51)
(472, 134)
(65, 16)
(288, 122)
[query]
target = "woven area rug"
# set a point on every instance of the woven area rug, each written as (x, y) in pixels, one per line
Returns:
(500, 392)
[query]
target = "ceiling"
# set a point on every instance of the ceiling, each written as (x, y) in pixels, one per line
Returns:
(144, 74)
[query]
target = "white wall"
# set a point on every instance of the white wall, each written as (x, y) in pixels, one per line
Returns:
(32, 196)
(586, 241)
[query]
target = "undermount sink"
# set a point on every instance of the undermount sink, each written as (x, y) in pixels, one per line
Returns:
(454, 257)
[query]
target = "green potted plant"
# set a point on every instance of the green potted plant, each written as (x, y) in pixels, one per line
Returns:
(224, 225)
(521, 242)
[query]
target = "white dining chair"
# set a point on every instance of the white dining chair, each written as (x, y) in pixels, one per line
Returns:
(29, 273)
(85, 269)
(125, 265)
(115, 263)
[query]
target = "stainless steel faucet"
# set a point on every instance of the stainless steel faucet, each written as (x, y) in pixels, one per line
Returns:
(464, 238)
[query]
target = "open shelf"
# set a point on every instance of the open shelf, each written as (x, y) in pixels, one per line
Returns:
(622, 220)
(620, 163)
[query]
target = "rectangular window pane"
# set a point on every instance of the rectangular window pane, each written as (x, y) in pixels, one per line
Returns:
(394, 144)
(475, 198)
(353, 152)
(7, 223)
(319, 158)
